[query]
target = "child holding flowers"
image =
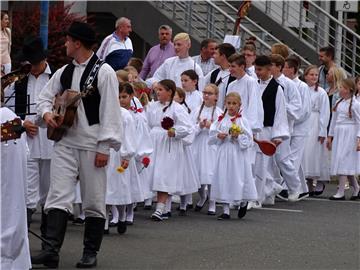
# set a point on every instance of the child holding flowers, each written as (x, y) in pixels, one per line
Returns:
(123, 182)
(169, 124)
(205, 154)
(232, 175)
(344, 140)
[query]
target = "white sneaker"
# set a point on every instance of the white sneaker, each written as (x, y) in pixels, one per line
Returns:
(293, 197)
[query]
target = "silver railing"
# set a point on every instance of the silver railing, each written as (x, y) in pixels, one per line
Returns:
(317, 28)
(206, 19)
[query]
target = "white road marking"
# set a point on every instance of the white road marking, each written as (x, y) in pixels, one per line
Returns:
(327, 200)
(280, 209)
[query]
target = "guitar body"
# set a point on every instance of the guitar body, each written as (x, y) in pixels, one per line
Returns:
(65, 107)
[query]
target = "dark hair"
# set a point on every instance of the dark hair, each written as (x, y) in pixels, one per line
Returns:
(329, 51)
(169, 85)
(191, 74)
(88, 45)
(278, 60)
(126, 87)
(3, 13)
(293, 62)
(262, 61)
(182, 95)
(249, 47)
(206, 42)
(201, 109)
(226, 49)
(357, 79)
(137, 63)
(238, 59)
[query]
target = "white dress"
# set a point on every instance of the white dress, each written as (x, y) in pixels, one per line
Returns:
(193, 99)
(124, 188)
(316, 155)
(358, 152)
(345, 132)
(15, 253)
(168, 158)
(204, 154)
(232, 176)
(144, 148)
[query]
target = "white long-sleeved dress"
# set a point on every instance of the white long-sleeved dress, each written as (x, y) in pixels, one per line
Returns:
(168, 158)
(124, 188)
(232, 175)
(315, 159)
(204, 154)
(345, 132)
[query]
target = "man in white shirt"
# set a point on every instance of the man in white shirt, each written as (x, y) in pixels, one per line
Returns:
(249, 51)
(117, 49)
(206, 57)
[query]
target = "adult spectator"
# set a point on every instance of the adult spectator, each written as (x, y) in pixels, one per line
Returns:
(326, 58)
(159, 53)
(5, 43)
(117, 49)
(206, 57)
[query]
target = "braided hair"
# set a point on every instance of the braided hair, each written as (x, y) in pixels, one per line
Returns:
(169, 86)
(182, 95)
(216, 89)
(348, 84)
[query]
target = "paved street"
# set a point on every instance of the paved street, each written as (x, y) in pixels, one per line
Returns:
(311, 234)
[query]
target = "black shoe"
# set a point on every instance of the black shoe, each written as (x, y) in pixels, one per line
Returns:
(311, 194)
(166, 215)
(129, 223)
(223, 216)
(93, 235)
(242, 211)
(55, 233)
(211, 213)
(87, 261)
(317, 193)
(113, 224)
(198, 207)
(303, 196)
(333, 198)
(135, 209)
(189, 206)
(78, 222)
(182, 212)
(147, 207)
(157, 216)
(106, 231)
(43, 226)
(121, 227)
(354, 198)
(283, 195)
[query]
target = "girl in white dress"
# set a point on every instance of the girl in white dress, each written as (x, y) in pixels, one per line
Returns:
(205, 154)
(189, 82)
(316, 155)
(169, 124)
(357, 83)
(232, 182)
(344, 139)
(124, 185)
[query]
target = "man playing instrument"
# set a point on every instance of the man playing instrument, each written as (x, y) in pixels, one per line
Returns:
(84, 149)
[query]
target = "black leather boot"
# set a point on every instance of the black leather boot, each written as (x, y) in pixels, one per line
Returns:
(55, 233)
(94, 230)
(43, 226)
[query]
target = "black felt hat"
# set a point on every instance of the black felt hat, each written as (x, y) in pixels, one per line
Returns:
(33, 50)
(82, 31)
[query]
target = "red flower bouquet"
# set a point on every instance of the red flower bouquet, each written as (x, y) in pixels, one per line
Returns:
(145, 161)
(167, 123)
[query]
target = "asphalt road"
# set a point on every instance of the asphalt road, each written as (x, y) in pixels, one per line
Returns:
(311, 234)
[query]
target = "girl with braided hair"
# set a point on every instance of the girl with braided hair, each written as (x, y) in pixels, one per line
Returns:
(205, 154)
(344, 140)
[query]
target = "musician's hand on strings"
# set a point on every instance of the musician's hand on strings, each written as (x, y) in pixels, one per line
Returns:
(321, 139)
(50, 119)
(101, 160)
(276, 141)
(31, 128)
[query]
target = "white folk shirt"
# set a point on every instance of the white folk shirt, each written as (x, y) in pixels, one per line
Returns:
(193, 99)
(39, 146)
(173, 67)
(98, 137)
(247, 88)
(293, 100)
(320, 104)
(251, 72)
(224, 74)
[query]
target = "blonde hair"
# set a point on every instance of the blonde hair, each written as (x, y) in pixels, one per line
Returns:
(338, 76)
(349, 84)
(279, 48)
(143, 96)
(213, 87)
(182, 36)
(216, 90)
(122, 75)
(234, 95)
(307, 71)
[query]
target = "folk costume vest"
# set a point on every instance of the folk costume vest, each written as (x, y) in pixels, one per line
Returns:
(269, 102)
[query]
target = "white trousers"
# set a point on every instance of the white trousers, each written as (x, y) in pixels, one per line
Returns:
(68, 163)
(286, 167)
(38, 181)
(297, 145)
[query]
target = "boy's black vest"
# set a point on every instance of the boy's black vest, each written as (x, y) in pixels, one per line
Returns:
(21, 96)
(214, 75)
(269, 102)
(91, 102)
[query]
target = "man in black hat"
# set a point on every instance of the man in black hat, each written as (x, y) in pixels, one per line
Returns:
(83, 151)
(40, 148)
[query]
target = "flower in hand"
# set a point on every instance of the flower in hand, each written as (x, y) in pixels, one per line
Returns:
(123, 166)
(235, 131)
(145, 161)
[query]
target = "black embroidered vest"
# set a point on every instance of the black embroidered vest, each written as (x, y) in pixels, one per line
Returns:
(269, 102)
(92, 101)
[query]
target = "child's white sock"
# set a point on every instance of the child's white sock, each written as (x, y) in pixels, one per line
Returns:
(130, 212)
(202, 193)
(341, 186)
(122, 212)
(354, 183)
(160, 207)
(168, 204)
(183, 202)
(106, 227)
(148, 202)
(226, 208)
(115, 214)
(189, 199)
